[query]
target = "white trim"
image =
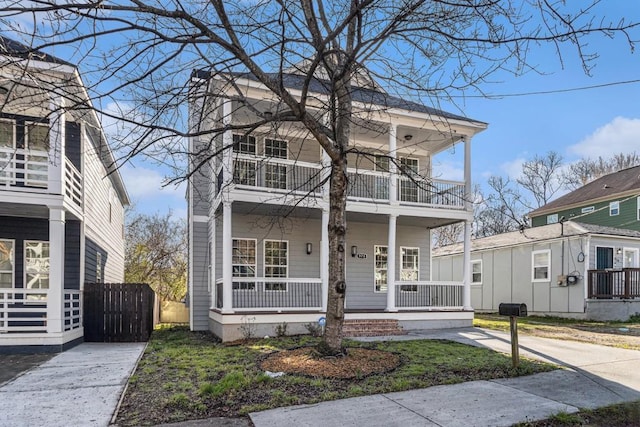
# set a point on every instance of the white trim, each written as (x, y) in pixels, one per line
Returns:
(638, 208)
(548, 265)
(199, 218)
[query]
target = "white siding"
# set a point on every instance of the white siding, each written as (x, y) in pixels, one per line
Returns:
(98, 194)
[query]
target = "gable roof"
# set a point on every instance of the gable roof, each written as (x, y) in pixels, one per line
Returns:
(13, 48)
(536, 234)
(626, 181)
(365, 95)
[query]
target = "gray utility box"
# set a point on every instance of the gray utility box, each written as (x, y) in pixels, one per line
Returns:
(512, 309)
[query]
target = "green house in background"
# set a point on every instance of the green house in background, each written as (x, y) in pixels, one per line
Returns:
(612, 200)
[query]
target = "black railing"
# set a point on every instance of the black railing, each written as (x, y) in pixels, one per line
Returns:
(608, 284)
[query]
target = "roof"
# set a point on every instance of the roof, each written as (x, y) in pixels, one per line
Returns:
(536, 234)
(359, 94)
(16, 49)
(604, 188)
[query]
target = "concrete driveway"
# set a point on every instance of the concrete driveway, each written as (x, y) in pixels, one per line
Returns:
(80, 387)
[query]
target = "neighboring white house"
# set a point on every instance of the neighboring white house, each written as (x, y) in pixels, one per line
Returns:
(258, 214)
(567, 269)
(61, 201)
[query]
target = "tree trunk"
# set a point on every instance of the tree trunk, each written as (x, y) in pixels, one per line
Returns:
(332, 343)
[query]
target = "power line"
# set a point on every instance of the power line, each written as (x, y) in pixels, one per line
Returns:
(549, 92)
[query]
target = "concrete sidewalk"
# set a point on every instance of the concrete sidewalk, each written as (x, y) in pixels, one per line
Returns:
(595, 376)
(80, 387)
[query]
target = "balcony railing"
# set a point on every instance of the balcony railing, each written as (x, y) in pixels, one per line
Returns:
(28, 170)
(279, 175)
(428, 295)
(608, 284)
(269, 294)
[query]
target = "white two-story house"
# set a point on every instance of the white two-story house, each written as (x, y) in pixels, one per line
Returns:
(259, 212)
(61, 201)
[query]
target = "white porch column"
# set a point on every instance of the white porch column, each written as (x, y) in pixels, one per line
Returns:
(227, 144)
(56, 146)
(391, 265)
(393, 170)
(466, 258)
(324, 174)
(55, 297)
(227, 268)
(324, 258)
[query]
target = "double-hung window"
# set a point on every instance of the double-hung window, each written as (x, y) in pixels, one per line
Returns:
(380, 268)
(243, 262)
(36, 267)
(6, 263)
(275, 173)
(476, 272)
(408, 186)
(244, 171)
(276, 260)
(410, 270)
(541, 265)
(36, 162)
(614, 208)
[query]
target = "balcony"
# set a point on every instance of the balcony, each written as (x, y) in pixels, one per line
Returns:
(301, 178)
(27, 171)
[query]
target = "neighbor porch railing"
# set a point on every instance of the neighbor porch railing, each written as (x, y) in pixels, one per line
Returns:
(272, 294)
(25, 310)
(607, 284)
(423, 295)
(280, 175)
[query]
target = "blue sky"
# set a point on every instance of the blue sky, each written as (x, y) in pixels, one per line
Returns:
(589, 123)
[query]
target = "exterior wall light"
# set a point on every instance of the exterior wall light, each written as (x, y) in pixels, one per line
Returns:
(354, 251)
(309, 248)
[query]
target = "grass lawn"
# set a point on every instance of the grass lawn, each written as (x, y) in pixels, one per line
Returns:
(185, 375)
(621, 415)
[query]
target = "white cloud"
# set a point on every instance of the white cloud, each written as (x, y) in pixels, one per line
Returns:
(448, 171)
(145, 188)
(513, 168)
(621, 135)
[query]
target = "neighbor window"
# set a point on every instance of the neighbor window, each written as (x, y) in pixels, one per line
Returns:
(541, 261)
(276, 263)
(243, 261)
(275, 174)
(244, 144)
(409, 270)
(380, 268)
(6, 263)
(36, 269)
(614, 208)
(630, 258)
(552, 219)
(588, 209)
(98, 267)
(381, 163)
(476, 272)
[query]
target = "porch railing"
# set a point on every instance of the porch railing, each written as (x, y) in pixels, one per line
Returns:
(23, 310)
(24, 168)
(273, 294)
(72, 309)
(428, 295)
(72, 183)
(280, 175)
(608, 284)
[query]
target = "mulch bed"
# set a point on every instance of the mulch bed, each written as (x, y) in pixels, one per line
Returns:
(357, 363)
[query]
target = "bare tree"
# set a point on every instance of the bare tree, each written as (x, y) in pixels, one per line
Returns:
(541, 177)
(156, 253)
(138, 55)
(586, 170)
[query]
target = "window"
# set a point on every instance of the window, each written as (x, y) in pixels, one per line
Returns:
(244, 172)
(476, 272)
(381, 164)
(409, 270)
(98, 267)
(408, 188)
(552, 219)
(638, 206)
(6, 263)
(380, 268)
(7, 145)
(614, 208)
(36, 269)
(243, 262)
(588, 209)
(275, 148)
(630, 258)
(37, 142)
(541, 261)
(275, 263)
(244, 144)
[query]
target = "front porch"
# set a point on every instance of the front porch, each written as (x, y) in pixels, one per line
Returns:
(614, 284)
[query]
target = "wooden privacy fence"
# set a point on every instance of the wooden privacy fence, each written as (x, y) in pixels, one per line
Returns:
(118, 312)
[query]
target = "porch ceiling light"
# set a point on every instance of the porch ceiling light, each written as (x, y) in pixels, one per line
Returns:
(354, 251)
(408, 137)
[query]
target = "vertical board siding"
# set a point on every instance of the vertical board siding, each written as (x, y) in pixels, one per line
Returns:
(118, 312)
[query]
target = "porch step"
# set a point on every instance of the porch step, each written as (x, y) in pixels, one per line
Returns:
(371, 328)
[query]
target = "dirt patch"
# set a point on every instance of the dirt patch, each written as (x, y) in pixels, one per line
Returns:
(357, 363)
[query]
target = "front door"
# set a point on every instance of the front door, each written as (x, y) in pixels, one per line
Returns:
(604, 260)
